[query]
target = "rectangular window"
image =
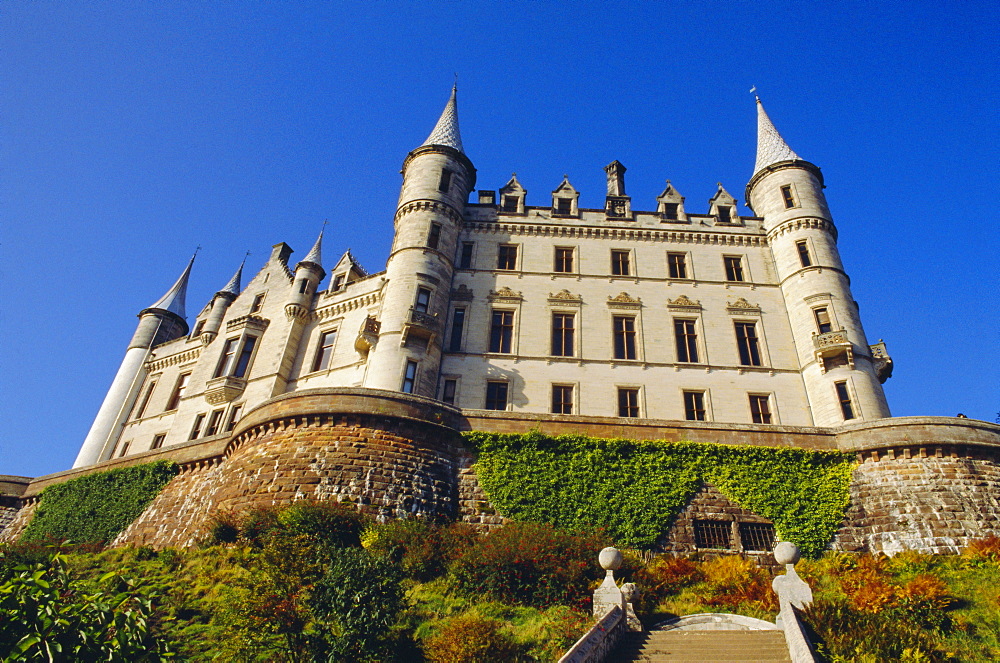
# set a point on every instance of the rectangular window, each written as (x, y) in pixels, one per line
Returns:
(227, 358)
(823, 323)
(725, 213)
(338, 283)
(496, 395)
(409, 377)
(448, 391)
(199, 421)
(677, 265)
(507, 256)
(423, 300)
(197, 328)
(757, 537)
(564, 206)
(445, 182)
(670, 211)
(234, 417)
(510, 204)
(714, 534)
(127, 444)
(258, 303)
(562, 399)
(434, 236)
(465, 259)
(804, 256)
(747, 343)
(624, 327)
(457, 327)
(563, 327)
(501, 331)
(628, 402)
(325, 350)
(734, 268)
(694, 405)
(687, 340)
(303, 286)
(158, 440)
(786, 195)
(246, 352)
(620, 263)
(214, 422)
(139, 411)
(760, 408)
(844, 396)
(178, 393)
(564, 259)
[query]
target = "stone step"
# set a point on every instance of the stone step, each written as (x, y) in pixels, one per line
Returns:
(702, 646)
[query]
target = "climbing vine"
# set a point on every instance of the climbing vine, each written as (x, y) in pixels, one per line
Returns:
(635, 489)
(95, 508)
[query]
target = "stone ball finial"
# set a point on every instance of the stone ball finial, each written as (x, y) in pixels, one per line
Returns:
(786, 552)
(610, 559)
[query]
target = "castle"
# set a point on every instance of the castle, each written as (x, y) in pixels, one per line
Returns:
(499, 315)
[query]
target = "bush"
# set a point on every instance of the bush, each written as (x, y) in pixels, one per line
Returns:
(358, 601)
(424, 550)
(330, 524)
(470, 638)
(531, 564)
(983, 550)
(732, 580)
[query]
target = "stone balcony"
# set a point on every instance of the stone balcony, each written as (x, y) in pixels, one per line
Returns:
(833, 348)
(420, 324)
(881, 361)
(224, 389)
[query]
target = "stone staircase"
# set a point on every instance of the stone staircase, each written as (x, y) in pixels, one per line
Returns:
(702, 647)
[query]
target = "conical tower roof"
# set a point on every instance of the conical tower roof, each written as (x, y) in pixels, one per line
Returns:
(446, 130)
(173, 301)
(771, 147)
(315, 253)
(234, 286)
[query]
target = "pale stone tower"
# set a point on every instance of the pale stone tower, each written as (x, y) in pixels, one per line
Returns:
(163, 321)
(309, 273)
(841, 379)
(437, 180)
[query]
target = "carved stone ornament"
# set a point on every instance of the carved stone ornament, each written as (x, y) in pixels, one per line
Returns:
(462, 293)
(624, 300)
(683, 302)
(254, 322)
(743, 305)
(565, 296)
(504, 293)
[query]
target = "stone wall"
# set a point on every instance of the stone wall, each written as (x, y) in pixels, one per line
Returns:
(706, 504)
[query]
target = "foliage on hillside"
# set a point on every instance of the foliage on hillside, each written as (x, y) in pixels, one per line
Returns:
(634, 489)
(96, 507)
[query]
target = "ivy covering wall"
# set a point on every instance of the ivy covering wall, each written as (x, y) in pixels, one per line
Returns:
(635, 489)
(95, 508)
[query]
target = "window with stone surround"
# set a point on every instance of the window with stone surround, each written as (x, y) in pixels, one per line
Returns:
(214, 423)
(236, 355)
(423, 300)
(126, 445)
(628, 402)
(802, 247)
(713, 534)
(760, 408)
(496, 395)
(844, 396)
(448, 391)
(445, 182)
(234, 417)
(457, 330)
(324, 351)
(562, 399)
(734, 268)
(434, 236)
(748, 343)
(694, 406)
(502, 332)
(141, 409)
(258, 303)
(199, 421)
(563, 331)
(409, 377)
(822, 315)
(677, 265)
(624, 337)
(621, 263)
(465, 258)
(510, 204)
(564, 259)
(687, 340)
(158, 440)
(179, 387)
(787, 196)
(507, 256)
(756, 537)
(670, 211)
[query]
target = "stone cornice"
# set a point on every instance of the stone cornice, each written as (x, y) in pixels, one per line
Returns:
(340, 308)
(179, 358)
(801, 223)
(618, 234)
(428, 206)
(254, 322)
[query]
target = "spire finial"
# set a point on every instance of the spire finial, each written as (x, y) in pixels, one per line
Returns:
(771, 147)
(173, 300)
(753, 91)
(234, 286)
(315, 253)
(446, 130)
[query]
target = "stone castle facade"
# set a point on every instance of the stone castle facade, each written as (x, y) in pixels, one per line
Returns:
(499, 315)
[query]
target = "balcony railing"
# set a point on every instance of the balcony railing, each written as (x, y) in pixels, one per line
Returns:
(224, 389)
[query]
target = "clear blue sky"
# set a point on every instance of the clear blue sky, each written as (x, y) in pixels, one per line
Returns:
(132, 132)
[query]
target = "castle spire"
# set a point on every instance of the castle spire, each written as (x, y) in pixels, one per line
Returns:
(771, 147)
(173, 301)
(233, 287)
(315, 253)
(446, 130)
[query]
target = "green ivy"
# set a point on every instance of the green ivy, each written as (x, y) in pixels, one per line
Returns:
(95, 508)
(635, 489)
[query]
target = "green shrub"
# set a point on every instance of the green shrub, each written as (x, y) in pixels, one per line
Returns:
(95, 508)
(424, 550)
(531, 564)
(329, 523)
(470, 638)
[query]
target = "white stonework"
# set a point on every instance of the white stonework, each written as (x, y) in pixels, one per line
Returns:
(502, 264)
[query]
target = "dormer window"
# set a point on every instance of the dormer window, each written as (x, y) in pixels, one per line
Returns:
(564, 206)
(510, 204)
(670, 211)
(564, 199)
(445, 184)
(512, 197)
(725, 214)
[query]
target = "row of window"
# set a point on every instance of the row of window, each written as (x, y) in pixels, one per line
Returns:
(628, 400)
(563, 338)
(622, 260)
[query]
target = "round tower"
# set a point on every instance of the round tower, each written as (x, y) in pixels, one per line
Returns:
(840, 376)
(163, 321)
(437, 180)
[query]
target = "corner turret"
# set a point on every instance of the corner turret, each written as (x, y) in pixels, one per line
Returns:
(838, 369)
(220, 304)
